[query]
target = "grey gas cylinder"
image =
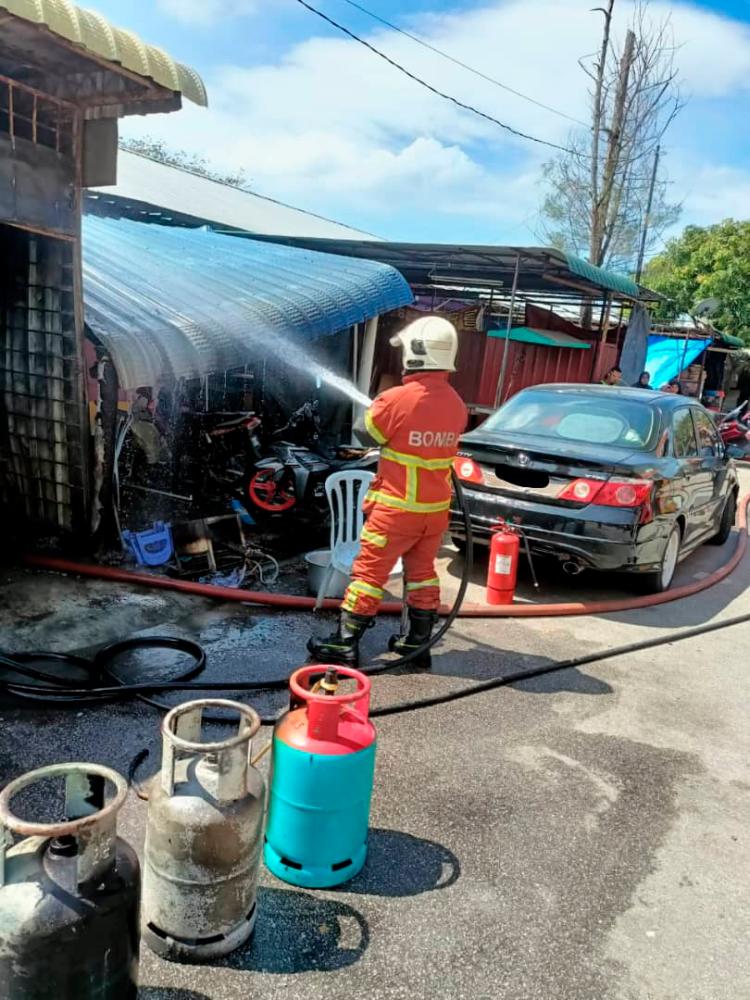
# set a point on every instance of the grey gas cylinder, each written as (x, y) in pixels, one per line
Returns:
(69, 894)
(203, 839)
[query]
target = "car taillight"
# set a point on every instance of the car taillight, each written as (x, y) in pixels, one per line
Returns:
(581, 490)
(613, 493)
(467, 470)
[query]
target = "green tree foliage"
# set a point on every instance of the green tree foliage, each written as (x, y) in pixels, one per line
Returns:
(703, 263)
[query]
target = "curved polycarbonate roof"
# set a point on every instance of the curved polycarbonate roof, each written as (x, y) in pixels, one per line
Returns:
(174, 302)
(93, 32)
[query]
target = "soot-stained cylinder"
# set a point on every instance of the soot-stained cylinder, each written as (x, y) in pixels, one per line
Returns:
(69, 894)
(203, 839)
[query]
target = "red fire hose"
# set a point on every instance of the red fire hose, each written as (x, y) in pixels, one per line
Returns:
(294, 601)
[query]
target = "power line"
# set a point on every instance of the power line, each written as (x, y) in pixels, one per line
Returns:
(471, 69)
(434, 90)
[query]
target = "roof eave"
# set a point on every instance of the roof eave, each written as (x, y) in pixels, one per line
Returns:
(117, 50)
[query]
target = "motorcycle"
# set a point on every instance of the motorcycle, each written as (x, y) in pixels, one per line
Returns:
(734, 429)
(230, 448)
(292, 477)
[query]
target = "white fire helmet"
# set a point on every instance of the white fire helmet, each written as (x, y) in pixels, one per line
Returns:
(430, 343)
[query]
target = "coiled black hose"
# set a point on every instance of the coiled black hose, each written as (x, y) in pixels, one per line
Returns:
(100, 669)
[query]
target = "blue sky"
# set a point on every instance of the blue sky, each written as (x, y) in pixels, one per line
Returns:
(317, 121)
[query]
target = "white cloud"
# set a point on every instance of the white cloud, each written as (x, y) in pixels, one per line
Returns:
(714, 192)
(335, 129)
(206, 11)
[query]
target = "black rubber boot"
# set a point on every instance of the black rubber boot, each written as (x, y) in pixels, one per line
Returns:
(342, 646)
(420, 629)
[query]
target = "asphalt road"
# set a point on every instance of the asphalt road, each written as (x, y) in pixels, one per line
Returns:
(582, 836)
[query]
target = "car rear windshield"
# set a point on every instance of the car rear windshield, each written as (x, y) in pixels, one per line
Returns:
(577, 417)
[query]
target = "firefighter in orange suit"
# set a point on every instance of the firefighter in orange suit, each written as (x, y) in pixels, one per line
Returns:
(417, 426)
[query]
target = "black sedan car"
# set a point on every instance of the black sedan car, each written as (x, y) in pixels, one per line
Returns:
(604, 478)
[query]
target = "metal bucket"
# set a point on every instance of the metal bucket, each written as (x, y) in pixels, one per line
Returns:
(317, 562)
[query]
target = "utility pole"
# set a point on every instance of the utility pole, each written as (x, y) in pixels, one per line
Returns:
(647, 217)
(596, 131)
(614, 150)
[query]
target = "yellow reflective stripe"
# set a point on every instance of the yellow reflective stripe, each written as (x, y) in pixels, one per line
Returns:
(360, 587)
(373, 430)
(433, 582)
(412, 483)
(414, 461)
(372, 536)
(357, 589)
(414, 507)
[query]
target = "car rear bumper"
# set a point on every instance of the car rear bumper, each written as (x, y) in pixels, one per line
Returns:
(601, 538)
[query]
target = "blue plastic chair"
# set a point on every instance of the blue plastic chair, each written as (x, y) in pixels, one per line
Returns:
(151, 547)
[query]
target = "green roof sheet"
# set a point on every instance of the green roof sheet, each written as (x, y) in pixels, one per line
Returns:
(612, 280)
(543, 338)
(731, 341)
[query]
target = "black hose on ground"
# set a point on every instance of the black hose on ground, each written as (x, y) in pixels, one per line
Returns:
(551, 668)
(85, 696)
(60, 691)
(101, 667)
(463, 506)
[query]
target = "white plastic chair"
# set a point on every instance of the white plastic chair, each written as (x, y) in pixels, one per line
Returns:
(345, 492)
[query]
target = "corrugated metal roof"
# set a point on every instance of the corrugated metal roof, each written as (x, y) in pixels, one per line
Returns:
(612, 280)
(543, 338)
(91, 31)
(729, 340)
(461, 265)
(157, 186)
(185, 302)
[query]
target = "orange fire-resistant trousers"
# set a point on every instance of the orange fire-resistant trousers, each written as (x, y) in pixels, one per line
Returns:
(389, 535)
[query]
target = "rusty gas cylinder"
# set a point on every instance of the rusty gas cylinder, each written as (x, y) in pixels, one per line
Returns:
(69, 894)
(203, 839)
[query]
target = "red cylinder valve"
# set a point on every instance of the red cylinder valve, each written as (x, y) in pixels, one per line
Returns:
(502, 570)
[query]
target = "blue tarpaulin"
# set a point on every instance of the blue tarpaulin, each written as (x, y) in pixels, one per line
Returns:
(169, 301)
(667, 356)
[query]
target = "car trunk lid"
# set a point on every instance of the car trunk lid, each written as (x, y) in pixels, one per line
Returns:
(532, 470)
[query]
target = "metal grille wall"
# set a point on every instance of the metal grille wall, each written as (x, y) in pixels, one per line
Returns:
(42, 465)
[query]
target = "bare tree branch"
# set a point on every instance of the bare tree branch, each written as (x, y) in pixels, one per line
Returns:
(596, 197)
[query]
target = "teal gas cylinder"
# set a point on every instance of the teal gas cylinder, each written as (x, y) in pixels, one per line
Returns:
(323, 766)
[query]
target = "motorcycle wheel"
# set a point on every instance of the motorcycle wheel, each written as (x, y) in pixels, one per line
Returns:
(270, 496)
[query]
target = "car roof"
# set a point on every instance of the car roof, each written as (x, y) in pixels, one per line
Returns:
(652, 397)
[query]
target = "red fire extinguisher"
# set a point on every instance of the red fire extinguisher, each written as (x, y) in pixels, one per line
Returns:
(502, 571)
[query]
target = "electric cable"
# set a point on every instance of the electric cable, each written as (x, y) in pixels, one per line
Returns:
(435, 90)
(471, 69)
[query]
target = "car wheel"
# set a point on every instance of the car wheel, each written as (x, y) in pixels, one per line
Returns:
(661, 580)
(727, 521)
